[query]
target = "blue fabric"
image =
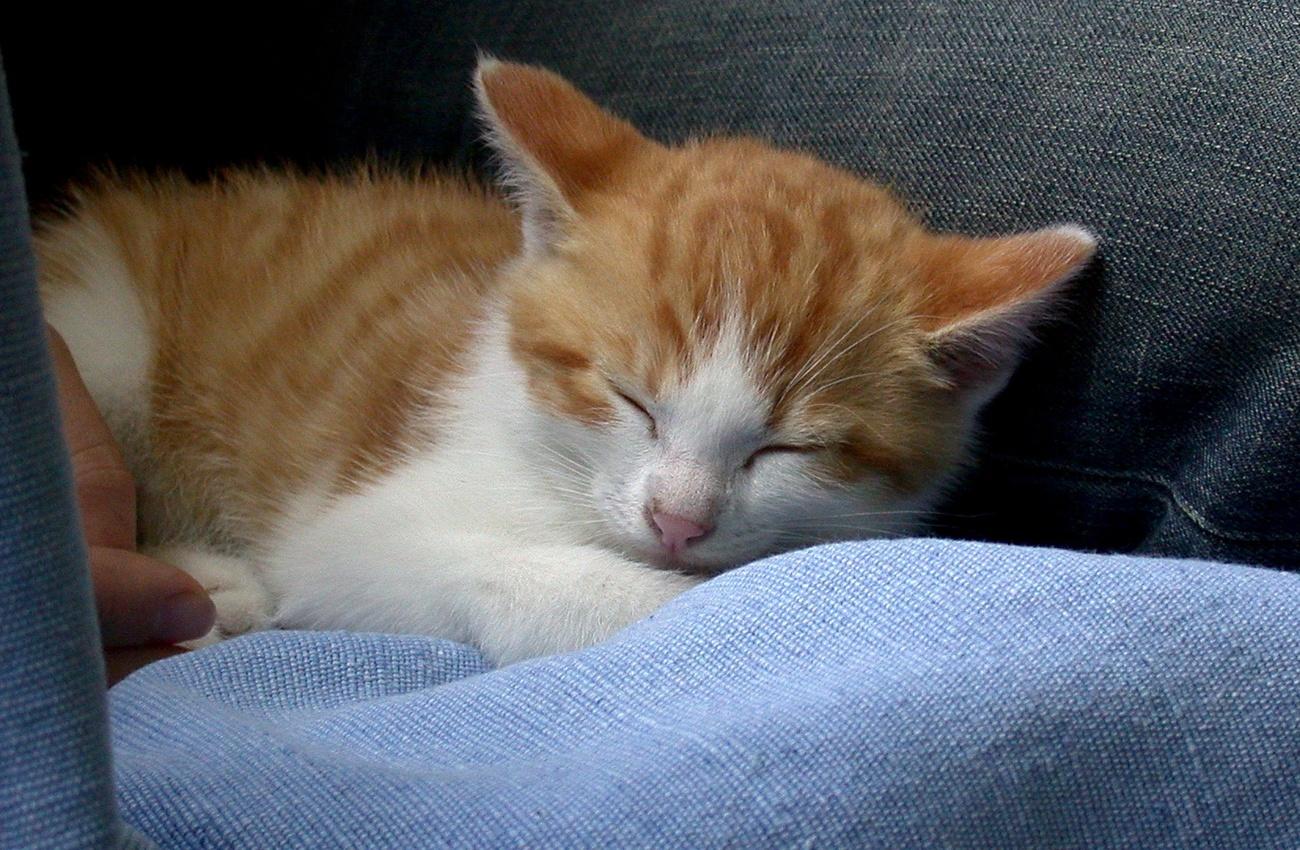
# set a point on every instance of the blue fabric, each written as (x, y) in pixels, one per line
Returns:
(895, 694)
(55, 788)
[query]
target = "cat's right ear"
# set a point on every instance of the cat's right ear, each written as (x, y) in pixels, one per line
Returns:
(982, 297)
(555, 143)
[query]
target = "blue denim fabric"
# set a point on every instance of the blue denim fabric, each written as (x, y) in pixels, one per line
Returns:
(1161, 415)
(915, 694)
(55, 788)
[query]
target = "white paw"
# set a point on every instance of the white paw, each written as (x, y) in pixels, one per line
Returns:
(242, 602)
(566, 598)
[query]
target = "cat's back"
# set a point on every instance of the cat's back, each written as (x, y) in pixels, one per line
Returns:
(251, 333)
(262, 239)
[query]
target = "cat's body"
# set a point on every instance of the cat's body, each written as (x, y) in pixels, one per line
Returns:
(391, 403)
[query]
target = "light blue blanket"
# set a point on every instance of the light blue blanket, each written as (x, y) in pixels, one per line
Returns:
(898, 694)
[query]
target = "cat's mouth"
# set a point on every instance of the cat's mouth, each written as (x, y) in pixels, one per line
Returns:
(686, 562)
(702, 560)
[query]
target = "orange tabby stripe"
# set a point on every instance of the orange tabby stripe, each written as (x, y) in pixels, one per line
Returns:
(296, 318)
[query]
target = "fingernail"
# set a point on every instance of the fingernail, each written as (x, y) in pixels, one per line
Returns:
(185, 616)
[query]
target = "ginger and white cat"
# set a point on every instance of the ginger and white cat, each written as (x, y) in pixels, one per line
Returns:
(394, 403)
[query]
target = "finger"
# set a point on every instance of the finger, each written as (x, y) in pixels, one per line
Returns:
(105, 489)
(142, 600)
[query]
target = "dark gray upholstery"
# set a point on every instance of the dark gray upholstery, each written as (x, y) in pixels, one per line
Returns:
(1162, 415)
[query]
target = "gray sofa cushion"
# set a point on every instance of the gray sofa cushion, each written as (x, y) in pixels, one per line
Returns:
(1162, 414)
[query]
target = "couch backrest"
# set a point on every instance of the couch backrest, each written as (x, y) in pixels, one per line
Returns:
(1163, 414)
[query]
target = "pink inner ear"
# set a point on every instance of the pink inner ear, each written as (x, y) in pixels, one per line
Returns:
(963, 277)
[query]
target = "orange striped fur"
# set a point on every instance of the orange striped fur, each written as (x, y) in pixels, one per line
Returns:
(299, 321)
(303, 340)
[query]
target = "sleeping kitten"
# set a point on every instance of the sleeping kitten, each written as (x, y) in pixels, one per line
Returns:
(394, 404)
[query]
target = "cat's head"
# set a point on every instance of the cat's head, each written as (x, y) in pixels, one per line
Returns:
(732, 350)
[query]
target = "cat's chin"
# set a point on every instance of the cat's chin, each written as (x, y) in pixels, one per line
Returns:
(663, 560)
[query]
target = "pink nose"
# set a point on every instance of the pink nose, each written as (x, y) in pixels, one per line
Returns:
(676, 531)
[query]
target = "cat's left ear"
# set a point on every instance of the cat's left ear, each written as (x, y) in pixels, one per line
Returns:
(981, 298)
(556, 144)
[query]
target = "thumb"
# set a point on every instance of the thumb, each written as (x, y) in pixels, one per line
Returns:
(142, 600)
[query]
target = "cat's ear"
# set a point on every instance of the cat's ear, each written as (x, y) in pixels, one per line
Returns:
(555, 144)
(981, 298)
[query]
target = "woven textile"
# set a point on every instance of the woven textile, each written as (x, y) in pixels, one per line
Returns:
(896, 695)
(54, 771)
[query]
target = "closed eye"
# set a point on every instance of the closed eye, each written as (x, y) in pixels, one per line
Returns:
(776, 450)
(640, 408)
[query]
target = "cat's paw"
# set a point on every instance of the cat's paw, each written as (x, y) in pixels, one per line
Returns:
(567, 598)
(242, 601)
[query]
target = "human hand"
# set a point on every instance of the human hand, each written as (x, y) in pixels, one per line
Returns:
(143, 603)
